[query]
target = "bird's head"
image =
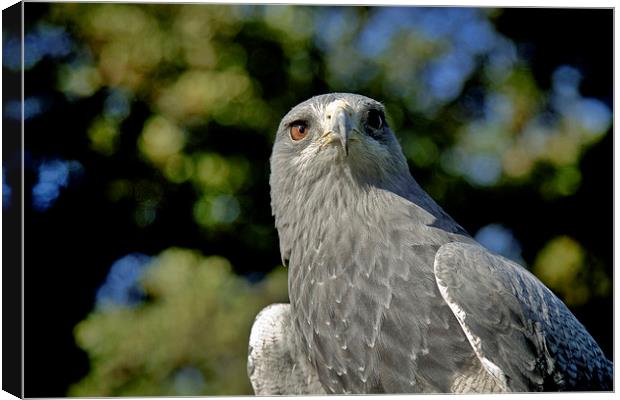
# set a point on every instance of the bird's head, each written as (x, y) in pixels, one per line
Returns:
(339, 133)
(329, 151)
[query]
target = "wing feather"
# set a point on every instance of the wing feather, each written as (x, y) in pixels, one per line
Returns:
(522, 333)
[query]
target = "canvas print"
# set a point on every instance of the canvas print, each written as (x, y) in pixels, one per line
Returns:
(230, 199)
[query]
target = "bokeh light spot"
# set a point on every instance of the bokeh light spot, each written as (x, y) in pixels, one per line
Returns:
(594, 116)
(79, 81)
(188, 381)
(6, 191)
(118, 104)
(11, 53)
(179, 168)
(224, 209)
(216, 210)
(33, 106)
(103, 134)
(53, 176)
(483, 169)
(160, 139)
(122, 285)
(500, 240)
(560, 265)
(564, 182)
(421, 150)
(45, 40)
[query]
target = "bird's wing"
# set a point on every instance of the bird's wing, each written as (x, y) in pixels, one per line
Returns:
(522, 333)
(275, 365)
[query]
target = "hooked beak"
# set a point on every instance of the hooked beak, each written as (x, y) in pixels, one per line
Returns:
(338, 122)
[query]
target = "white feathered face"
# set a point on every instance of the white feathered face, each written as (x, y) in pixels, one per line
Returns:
(337, 130)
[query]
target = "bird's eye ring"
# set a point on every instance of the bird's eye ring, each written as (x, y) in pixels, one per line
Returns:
(375, 119)
(299, 130)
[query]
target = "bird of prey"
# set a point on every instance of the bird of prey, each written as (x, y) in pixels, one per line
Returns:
(388, 294)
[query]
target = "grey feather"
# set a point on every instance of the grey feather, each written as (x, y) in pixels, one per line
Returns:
(361, 238)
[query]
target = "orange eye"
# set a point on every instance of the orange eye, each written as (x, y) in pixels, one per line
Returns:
(299, 130)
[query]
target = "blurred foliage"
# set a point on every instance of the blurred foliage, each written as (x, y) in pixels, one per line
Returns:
(172, 110)
(189, 338)
(563, 267)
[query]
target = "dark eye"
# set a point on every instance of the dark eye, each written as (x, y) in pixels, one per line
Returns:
(299, 130)
(375, 119)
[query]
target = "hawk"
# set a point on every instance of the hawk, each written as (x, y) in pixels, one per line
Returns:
(388, 294)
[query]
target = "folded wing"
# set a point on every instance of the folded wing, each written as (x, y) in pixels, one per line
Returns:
(522, 333)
